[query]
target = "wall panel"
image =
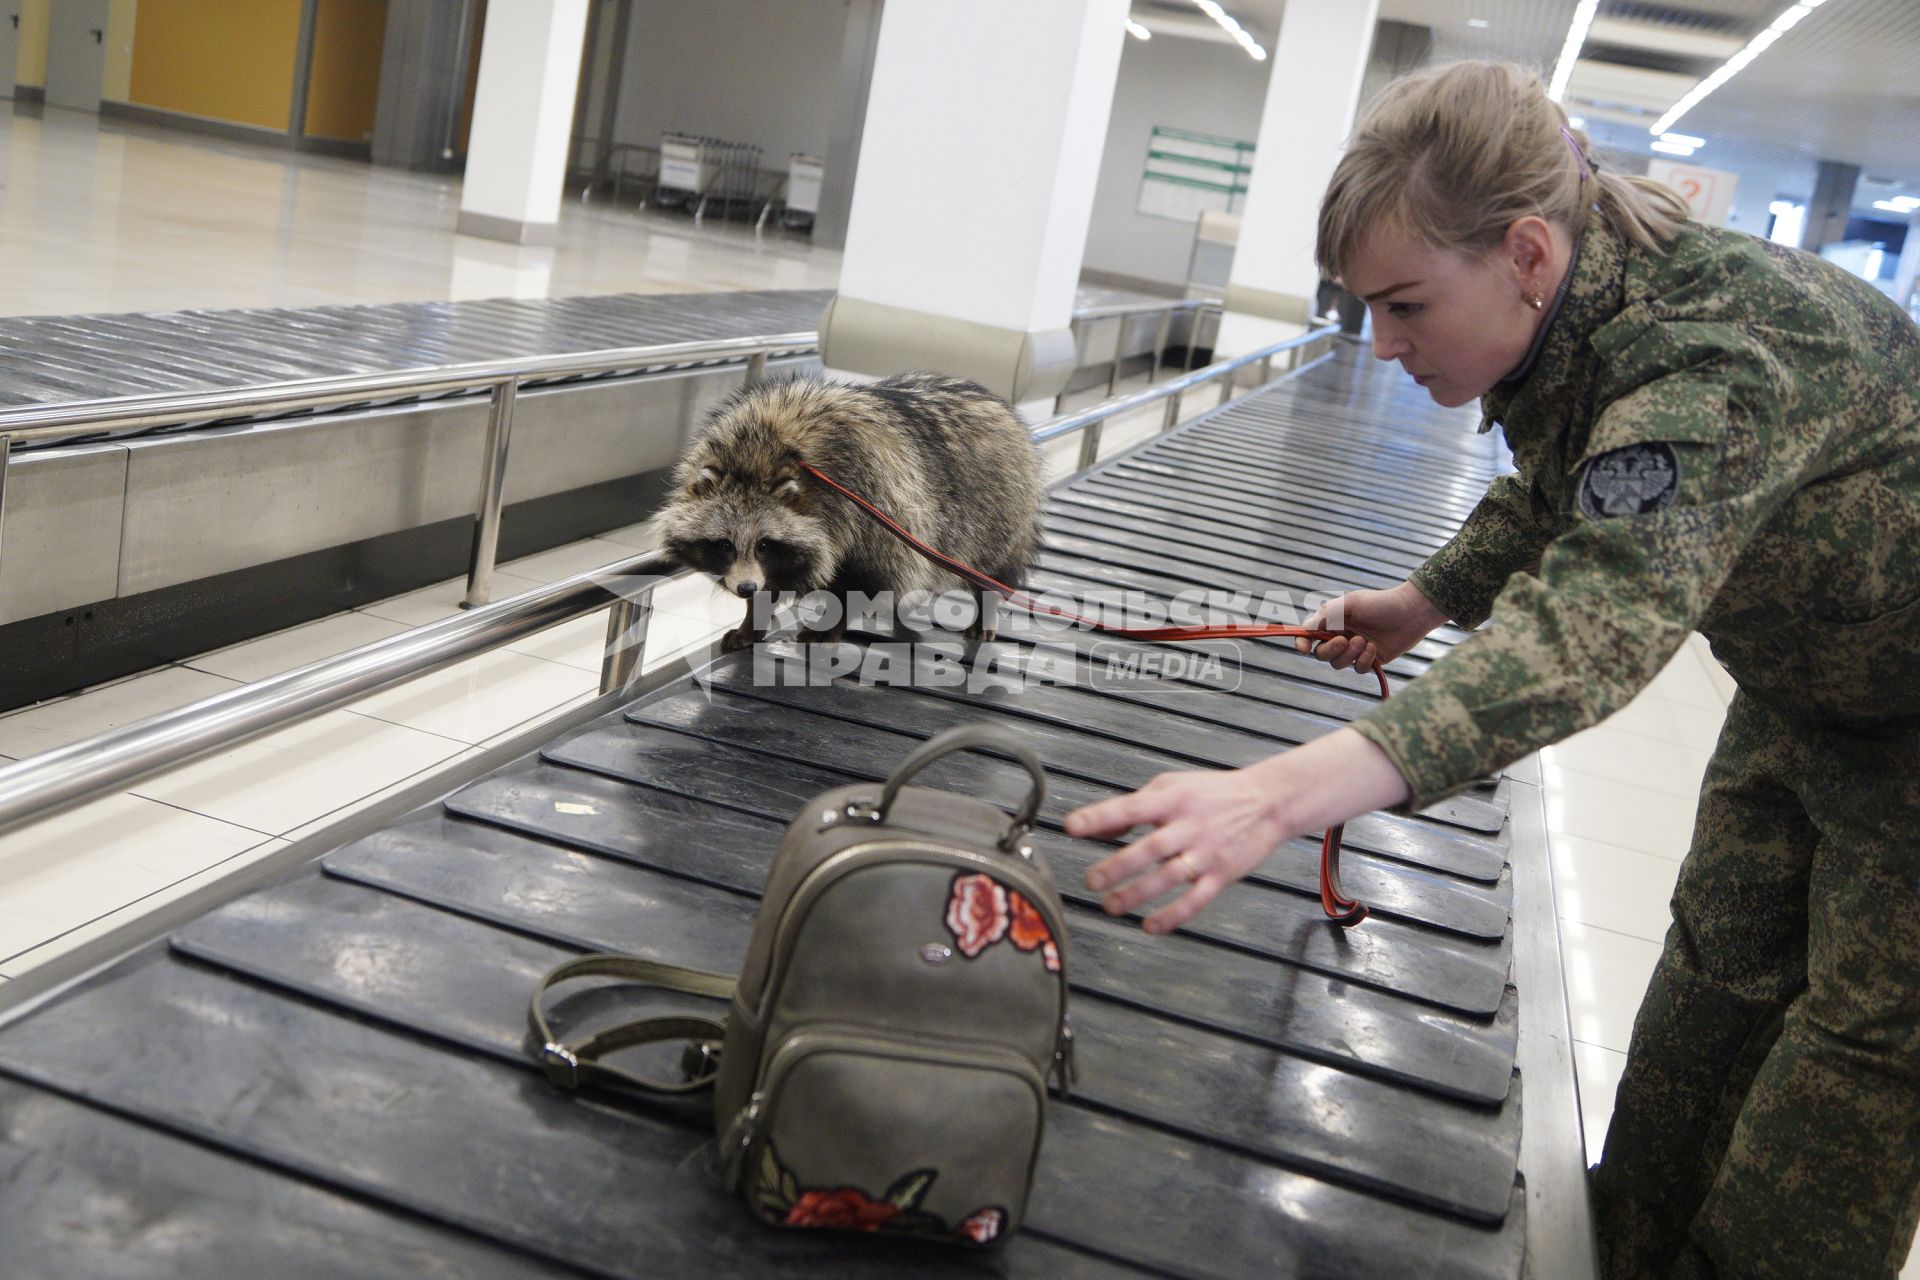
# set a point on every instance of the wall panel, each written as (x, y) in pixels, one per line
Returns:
(344, 88)
(223, 59)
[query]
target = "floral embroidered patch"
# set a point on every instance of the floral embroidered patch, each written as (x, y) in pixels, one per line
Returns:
(981, 911)
(781, 1199)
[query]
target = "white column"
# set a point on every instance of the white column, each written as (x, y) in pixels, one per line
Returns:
(522, 120)
(984, 128)
(1319, 61)
(1908, 269)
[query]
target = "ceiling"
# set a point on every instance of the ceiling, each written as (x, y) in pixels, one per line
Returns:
(1842, 85)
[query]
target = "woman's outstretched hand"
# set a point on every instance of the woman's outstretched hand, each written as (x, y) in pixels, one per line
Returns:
(1390, 622)
(1211, 828)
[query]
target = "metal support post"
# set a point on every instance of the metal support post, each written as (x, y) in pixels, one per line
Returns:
(626, 639)
(1173, 412)
(1160, 342)
(6, 453)
(1073, 330)
(1090, 446)
(756, 368)
(493, 482)
(1226, 389)
(1266, 371)
(1119, 341)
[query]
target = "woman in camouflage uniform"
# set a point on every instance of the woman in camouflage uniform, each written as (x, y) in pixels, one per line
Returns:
(1712, 433)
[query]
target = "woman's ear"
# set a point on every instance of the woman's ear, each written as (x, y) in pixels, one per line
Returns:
(1529, 247)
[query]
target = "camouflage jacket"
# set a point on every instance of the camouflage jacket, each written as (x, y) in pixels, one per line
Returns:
(1724, 438)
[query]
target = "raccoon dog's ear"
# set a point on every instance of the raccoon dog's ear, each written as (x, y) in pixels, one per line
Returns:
(786, 488)
(699, 485)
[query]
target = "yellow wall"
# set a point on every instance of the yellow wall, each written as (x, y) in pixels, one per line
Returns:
(30, 66)
(119, 71)
(344, 87)
(225, 59)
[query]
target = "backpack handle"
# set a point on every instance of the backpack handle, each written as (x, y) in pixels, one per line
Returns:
(960, 739)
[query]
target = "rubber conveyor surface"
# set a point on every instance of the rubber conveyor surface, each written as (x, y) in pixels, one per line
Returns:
(57, 359)
(332, 1074)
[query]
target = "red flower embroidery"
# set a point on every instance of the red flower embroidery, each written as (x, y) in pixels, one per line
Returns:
(1029, 928)
(984, 1225)
(977, 913)
(847, 1208)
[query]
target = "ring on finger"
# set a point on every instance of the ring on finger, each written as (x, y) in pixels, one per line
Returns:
(1188, 866)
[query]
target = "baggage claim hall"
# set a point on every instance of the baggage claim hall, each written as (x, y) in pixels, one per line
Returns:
(374, 559)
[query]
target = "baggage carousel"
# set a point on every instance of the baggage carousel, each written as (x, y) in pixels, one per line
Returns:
(48, 360)
(331, 1074)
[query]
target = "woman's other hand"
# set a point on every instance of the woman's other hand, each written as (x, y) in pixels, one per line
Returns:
(1211, 828)
(1390, 622)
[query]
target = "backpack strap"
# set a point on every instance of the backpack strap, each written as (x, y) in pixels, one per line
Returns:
(571, 1066)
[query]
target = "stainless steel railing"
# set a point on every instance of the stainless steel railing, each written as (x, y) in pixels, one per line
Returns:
(1124, 311)
(501, 379)
(1293, 350)
(109, 762)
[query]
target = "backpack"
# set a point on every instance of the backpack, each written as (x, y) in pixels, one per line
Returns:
(884, 1062)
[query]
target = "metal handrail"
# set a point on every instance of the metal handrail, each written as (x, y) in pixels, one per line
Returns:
(115, 760)
(502, 380)
(82, 417)
(1172, 390)
(1111, 309)
(1166, 309)
(112, 761)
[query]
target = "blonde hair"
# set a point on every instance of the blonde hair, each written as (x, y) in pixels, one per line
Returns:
(1455, 154)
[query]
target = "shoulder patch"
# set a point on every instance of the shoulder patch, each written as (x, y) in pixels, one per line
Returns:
(1636, 480)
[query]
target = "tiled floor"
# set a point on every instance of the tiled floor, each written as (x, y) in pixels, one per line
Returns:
(135, 218)
(132, 217)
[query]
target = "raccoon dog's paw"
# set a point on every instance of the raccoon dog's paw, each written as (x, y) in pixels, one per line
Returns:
(741, 637)
(826, 635)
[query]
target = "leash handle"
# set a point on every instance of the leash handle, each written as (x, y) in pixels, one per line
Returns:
(1342, 910)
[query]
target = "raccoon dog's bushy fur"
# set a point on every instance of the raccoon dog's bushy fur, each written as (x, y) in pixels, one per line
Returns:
(946, 458)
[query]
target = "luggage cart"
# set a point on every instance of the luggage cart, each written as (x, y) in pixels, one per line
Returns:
(699, 173)
(797, 198)
(684, 171)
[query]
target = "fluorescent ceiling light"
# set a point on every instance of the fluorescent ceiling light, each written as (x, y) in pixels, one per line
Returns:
(1137, 31)
(1570, 51)
(1733, 66)
(1576, 122)
(1899, 204)
(1683, 139)
(1672, 148)
(1239, 33)
(1480, 23)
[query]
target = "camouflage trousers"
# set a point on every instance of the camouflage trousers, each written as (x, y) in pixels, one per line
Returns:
(1768, 1121)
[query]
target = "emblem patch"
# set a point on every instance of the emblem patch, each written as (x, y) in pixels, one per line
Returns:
(1633, 481)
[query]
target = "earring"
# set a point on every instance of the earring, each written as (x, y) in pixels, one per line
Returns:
(1533, 299)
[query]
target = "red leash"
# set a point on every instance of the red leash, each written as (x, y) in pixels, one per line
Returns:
(1339, 907)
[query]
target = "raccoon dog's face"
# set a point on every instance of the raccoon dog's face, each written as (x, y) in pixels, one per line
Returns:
(742, 515)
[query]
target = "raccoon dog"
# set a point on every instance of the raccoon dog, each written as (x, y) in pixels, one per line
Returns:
(947, 459)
